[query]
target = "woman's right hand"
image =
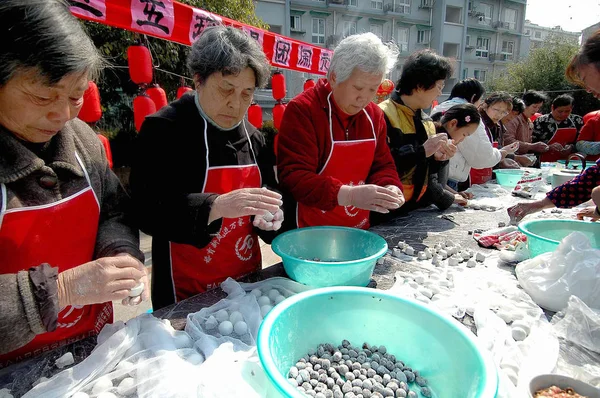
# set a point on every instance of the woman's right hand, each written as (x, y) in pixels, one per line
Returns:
(512, 148)
(245, 202)
(101, 280)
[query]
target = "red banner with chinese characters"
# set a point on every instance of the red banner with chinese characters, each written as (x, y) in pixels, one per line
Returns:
(180, 23)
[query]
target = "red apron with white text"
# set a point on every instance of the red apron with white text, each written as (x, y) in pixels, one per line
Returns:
(349, 162)
(563, 136)
(481, 176)
(62, 234)
(234, 252)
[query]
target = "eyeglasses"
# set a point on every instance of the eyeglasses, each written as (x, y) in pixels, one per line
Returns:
(440, 86)
(501, 112)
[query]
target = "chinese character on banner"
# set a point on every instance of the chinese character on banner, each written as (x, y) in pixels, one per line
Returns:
(324, 61)
(207, 259)
(241, 222)
(200, 21)
(153, 16)
(256, 34)
(89, 8)
(305, 54)
(282, 51)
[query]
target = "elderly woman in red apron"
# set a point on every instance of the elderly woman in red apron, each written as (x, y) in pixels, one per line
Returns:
(333, 157)
(67, 249)
(198, 171)
(559, 129)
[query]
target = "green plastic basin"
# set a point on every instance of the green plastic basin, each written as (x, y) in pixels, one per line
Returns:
(544, 235)
(443, 351)
(508, 177)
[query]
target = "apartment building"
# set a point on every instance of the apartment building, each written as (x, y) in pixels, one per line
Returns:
(535, 35)
(482, 36)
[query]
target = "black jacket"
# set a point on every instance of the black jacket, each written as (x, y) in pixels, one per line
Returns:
(167, 177)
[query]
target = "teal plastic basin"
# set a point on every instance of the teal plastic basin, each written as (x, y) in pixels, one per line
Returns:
(508, 177)
(576, 164)
(543, 236)
(441, 349)
(346, 256)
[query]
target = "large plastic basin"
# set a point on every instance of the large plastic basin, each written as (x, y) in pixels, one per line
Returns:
(544, 235)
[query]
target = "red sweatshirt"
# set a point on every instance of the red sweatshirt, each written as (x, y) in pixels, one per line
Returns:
(304, 144)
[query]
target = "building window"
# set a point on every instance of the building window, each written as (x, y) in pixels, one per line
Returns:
(403, 39)
(349, 28)
(454, 15)
(468, 41)
(480, 74)
(322, 1)
(318, 31)
(465, 73)
(377, 4)
(377, 30)
(508, 48)
(423, 36)
(353, 3)
(485, 11)
(402, 6)
(538, 34)
(483, 47)
(527, 32)
(510, 18)
(295, 23)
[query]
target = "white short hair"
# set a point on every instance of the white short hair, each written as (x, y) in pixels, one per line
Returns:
(365, 52)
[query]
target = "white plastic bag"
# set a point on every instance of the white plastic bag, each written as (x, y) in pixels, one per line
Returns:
(286, 287)
(579, 324)
(529, 185)
(235, 320)
(572, 269)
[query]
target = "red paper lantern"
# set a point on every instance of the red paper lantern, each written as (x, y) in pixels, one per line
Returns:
(278, 86)
(535, 116)
(309, 83)
(91, 111)
(182, 90)
(386, 87)
(255, 115)
(590, 116)
(158, 95)
(142, 107)
(140, 64)
(278, 110)
(107, 150)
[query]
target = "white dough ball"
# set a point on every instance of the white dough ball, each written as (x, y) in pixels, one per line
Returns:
(264, 310)
(211, 323)
(195, 358)
(518, 333)
(273, 293)
(182, 339)
(279, 299)
(240, 328)
(137, 290)
(235, 317)
(222, 315)
(225, 328)
(80, 394)
(256, 292)
(103, 384)
(264, 300)
(127, 386)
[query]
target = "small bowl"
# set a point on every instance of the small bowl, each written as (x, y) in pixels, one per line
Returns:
(545, 235)
(329, 256)
(548, 380)
(508, 177)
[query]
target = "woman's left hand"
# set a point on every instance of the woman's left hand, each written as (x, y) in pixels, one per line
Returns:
(588, 212)
(466, 195)
(270, 222)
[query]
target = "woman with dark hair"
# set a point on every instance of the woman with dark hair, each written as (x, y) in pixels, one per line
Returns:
(67, 249)
(412, 139)
(584, 68)
(477, 151)
(197, 187)
(518, 106)
(458, 123)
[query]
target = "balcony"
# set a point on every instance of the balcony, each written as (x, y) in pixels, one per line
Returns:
(504, 25)
(427, 4)
(502, 57)
(401, 9)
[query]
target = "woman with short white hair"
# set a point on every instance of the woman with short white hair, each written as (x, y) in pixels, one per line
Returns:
(333, 159)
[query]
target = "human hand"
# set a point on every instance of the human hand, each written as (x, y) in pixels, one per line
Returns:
(398, 192)
(568, 149)
(269, 222)
(370, 197)
(589, 212)
(466, 195)
(434, 144)
(540, 147)
(524, 160)
(557, 147)
(448, 148)
(245, 202)
(440, 157)
(512, 148)
(102, 280)
(517, 212)
(510, 163)
(460, 200)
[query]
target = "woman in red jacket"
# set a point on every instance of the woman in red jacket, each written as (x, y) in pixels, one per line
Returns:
(333, 157)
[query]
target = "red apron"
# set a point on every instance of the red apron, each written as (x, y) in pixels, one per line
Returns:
(563, 136)
(481, 176)
(62, 234)
(349, 162)
(234, 252)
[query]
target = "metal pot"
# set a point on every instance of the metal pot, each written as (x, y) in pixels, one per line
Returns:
(560, 177)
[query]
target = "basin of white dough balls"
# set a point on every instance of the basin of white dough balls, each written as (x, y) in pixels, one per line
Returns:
(225, 328)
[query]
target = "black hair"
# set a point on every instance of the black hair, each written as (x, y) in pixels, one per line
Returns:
(534, 97)
(518, 105)
(421, 70)
(589, 54)
(500, 96)
(43, 36)
(464, 114)
(562, 100)
(228, 50)
(470, 89)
